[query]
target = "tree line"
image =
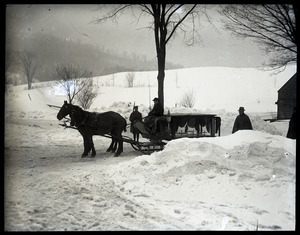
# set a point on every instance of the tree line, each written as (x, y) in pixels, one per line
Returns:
(46, 52)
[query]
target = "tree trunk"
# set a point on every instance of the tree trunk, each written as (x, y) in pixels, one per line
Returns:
(29, 80)
(161, 76)
(160, 33)
(29, 85)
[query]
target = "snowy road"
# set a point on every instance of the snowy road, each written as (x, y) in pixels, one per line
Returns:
(49, 187)
(46, 191)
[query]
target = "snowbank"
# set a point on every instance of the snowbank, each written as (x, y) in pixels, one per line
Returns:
(248, 177)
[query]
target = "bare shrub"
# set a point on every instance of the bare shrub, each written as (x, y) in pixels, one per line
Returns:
(188, 99)
(87, 94)
(71, 78)
(130, 78)
(30, 65)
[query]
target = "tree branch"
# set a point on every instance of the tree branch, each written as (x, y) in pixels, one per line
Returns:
(179, 22)
(112, 14)
(269, 25)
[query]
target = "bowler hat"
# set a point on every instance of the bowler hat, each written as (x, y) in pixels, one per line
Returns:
(241, 109)
(155, 99)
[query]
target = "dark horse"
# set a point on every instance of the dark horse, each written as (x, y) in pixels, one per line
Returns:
(89, 124)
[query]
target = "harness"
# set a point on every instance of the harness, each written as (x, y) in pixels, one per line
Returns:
(90, 119)
(86, 116)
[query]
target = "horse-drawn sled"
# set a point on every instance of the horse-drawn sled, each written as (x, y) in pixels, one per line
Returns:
(111, 125)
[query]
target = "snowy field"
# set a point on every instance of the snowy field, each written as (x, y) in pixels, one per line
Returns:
(241, 181)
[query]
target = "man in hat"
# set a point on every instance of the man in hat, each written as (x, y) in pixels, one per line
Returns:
(151, 120)
(134, 117)
(242, 121)
(158, 109)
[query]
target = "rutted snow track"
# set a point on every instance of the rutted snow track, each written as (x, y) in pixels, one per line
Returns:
(57, 195)
(49, 187)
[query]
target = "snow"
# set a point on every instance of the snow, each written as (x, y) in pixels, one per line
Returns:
(240, 181)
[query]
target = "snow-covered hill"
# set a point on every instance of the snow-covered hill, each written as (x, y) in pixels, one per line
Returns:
(215, 88)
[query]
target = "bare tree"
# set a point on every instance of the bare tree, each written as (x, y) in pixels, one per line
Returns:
(167, 19)
(71, 78)
(188, 99)
(29, 65)
(130, 78)
(87, 94)
(8, 61)
(272, 26)
(12, 64)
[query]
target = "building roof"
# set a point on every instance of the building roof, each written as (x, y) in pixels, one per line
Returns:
(292, 79)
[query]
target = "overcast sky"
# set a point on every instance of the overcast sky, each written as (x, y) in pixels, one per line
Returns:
(219, 48)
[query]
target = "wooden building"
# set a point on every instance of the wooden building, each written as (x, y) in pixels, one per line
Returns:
(287, 98)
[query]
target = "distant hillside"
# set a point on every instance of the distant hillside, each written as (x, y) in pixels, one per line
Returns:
(50, 51)
(214, 88)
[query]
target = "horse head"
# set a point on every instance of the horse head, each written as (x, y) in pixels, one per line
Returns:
(65, 110)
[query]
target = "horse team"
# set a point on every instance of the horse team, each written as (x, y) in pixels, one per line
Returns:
(89, 124)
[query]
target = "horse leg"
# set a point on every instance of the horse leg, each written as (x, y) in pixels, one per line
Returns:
(114, 146)
(110, 148)
(120, 142)
(89, 145)
(85, 146)
(92, 146)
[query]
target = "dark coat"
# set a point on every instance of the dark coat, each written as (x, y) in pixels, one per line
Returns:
(292, 127)
(242, 122)
(157, 110)
(134, 117)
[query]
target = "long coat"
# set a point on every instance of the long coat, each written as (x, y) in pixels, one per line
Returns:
(292, 127)
(134, 117)
(242, 122)
(157, 110)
